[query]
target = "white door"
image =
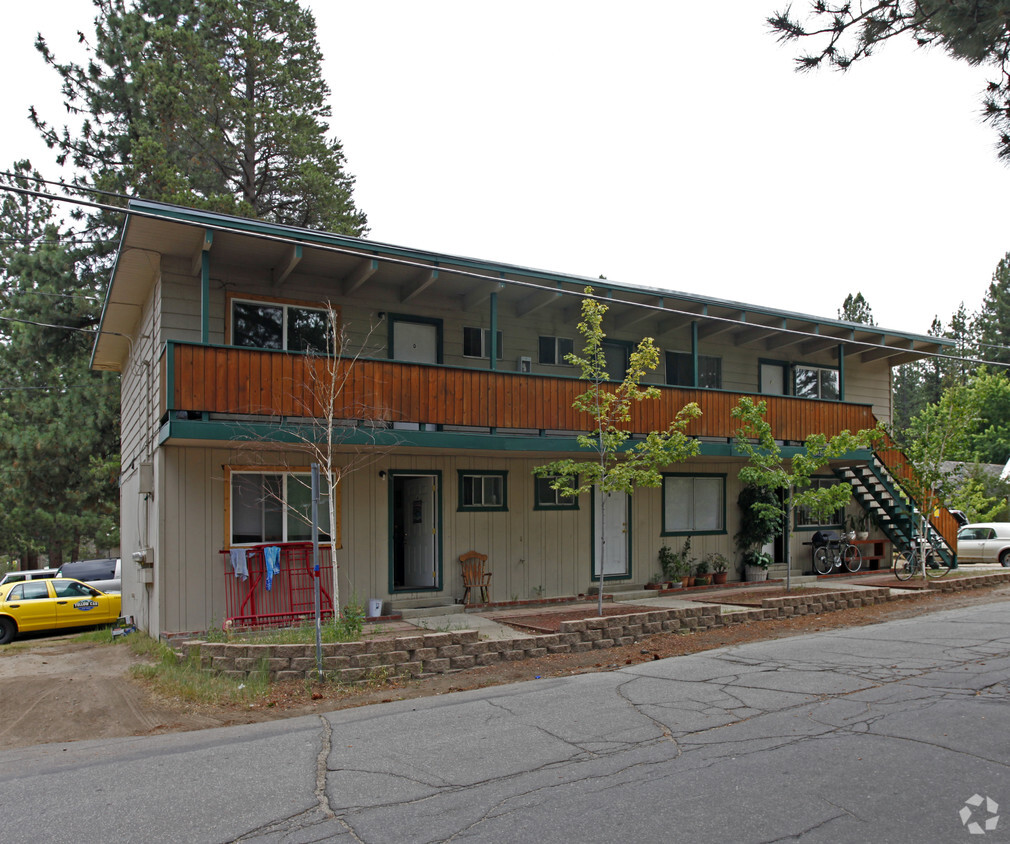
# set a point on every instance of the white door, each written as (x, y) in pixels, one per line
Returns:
(419, 534)
(773, 379)
(614, 518)
(415, 341)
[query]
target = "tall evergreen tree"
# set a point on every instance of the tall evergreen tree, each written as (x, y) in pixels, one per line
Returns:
(210, 103)
(856, 309)
(992, 324)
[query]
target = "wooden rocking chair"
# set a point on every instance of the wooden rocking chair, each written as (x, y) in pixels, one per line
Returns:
(474, 576)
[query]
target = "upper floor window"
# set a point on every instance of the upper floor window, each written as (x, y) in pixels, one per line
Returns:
(477, 343)
(816, 382)
(287, 326)
(680, 370)
(482, 490)
(555, 349)
(274, 507)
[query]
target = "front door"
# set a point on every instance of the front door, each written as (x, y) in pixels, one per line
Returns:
(416, 342)
(773, 379)
(611, 510)
(415, 532)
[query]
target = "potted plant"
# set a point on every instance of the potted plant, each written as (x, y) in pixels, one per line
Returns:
(755, 565)
(719, 565)
(701, 575)
(655, 582)
(862, 524)
(676, 564)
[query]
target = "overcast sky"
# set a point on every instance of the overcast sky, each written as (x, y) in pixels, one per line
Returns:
(667, 144)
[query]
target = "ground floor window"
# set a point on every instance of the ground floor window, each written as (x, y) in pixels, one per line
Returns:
(546, 498)
(482, 490)
(275, 506)
(694, 504)
(806, 520)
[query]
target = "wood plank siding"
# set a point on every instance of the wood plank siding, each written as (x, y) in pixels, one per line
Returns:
(228, 380)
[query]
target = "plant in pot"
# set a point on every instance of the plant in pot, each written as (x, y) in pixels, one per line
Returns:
(701, 575)
(676, 564)
(861, 524)
(719, 564)
(760, 523)
(755, 563)
(655, 582)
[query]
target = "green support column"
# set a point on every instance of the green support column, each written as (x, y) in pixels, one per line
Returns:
(841, 372)
(494, 332)
(208, 239)
(694, 353)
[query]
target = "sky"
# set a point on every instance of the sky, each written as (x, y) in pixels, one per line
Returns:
(666, 144)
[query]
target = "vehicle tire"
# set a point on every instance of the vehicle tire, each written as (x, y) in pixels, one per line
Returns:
(852, 559)
(822, 562)
(8, 630)
(935, 566)
(1004, 558)
(904, 567)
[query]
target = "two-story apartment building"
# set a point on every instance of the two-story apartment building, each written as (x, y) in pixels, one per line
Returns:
(459, 391)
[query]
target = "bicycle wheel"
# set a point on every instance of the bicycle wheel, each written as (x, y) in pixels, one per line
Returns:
(851, 558)
(935, 565)
(904, 566)
(822, 562)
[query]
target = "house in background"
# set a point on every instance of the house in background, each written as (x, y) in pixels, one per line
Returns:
(461, 392)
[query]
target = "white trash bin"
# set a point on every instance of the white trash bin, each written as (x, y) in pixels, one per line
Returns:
(374, 607)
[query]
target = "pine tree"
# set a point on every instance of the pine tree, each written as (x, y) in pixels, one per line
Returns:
(856, 309)
(218, 104)
(992, 324)
(846, 32)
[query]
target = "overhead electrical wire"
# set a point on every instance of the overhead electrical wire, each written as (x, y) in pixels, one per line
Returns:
(362, 252)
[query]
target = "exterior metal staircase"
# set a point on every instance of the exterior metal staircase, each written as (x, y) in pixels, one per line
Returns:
(879, 493)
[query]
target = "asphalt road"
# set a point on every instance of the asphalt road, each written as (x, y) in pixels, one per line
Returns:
(880, 733)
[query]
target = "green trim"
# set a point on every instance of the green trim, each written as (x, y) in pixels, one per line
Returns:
(419, 473)
(593, 577)
(465, 473)
(665, 532)
(841, 372)
(205, 288)
(537, 505)
(694, 353)
(392, 318)
(493, 352)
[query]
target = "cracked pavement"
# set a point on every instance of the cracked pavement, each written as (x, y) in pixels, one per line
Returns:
(871, 733)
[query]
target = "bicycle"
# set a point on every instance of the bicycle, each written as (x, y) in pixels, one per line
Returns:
(836, 553)
(919, 555)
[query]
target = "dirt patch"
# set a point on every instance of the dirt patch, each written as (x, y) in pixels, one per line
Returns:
(550, 622)
(57, 690)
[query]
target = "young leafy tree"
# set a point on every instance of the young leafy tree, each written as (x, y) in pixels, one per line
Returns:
(617, 466)
(218, 104)
(770, 469)
(844, 32)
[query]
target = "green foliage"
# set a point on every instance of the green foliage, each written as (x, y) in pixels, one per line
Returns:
(992, 323)
(856, 309)
(845, 32)
(676, 565)
(761, 517)
(217, 104)
(982, 496)
(617, 466)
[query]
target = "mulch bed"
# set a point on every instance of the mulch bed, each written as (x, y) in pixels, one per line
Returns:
(550, 622)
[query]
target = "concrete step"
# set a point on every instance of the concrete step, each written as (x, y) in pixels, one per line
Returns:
(631, 594)
(427, 612)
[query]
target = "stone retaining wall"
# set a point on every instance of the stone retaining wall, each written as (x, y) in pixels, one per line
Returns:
(427, 654)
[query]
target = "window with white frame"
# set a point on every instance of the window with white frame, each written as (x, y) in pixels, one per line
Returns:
(477, 343)
(279, 325)
(816, 382)
(680, 370)
(547, 498)
(694, 504)
(482, 490)
(553, 350)
(806, 519)
(274, 507)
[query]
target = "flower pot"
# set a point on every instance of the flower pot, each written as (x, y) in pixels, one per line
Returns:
(702, 579)
(720, 576)
(675, 584)
(754, 574)
(688, 581)
(653, 585)
(862, 535)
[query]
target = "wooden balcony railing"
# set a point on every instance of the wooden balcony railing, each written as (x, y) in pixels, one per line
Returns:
(218, 379)
(230, 380)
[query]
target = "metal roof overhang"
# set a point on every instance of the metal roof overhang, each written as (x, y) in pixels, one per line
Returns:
(351, 266)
